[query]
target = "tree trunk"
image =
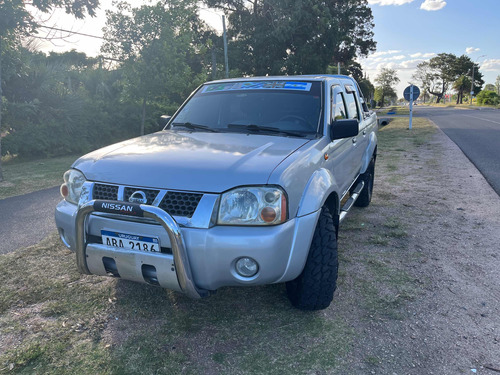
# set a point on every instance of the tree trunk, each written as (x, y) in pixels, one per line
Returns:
(143, 119)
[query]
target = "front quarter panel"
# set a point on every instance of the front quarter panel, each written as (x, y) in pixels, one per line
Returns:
(321, 184)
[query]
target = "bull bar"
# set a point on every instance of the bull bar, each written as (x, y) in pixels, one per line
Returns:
(181, 259)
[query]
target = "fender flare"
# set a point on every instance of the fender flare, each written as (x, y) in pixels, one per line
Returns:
(319, 187)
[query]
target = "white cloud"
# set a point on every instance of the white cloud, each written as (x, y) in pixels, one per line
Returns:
(389, 2)
(433, 5)
(423, 55)
(399, 57)
(470, 50)
(491, 65)
(384, 53)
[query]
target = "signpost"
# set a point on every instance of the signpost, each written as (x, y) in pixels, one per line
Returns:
(411, 94)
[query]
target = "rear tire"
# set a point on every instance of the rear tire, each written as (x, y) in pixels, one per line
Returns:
(368, 177)
(313, 289)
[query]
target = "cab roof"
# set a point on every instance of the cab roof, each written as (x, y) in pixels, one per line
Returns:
(306, 77)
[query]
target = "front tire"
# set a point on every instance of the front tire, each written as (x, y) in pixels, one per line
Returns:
(313, 289)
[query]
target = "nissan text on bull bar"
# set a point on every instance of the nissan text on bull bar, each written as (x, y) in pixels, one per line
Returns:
(247, 184)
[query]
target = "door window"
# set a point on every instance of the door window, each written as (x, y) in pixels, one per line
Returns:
(352, 106)
(339, 110)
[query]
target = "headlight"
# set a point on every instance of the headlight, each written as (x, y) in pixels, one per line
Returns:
(253, 205)
(72, 187)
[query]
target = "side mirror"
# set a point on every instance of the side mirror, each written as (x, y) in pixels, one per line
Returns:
(344, 129)
(163, 121)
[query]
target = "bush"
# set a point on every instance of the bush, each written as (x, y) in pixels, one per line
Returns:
(488, 98)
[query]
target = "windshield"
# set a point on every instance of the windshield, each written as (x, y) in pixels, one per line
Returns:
(290, 107)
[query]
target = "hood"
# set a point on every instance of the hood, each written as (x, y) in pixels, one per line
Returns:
(198, 161)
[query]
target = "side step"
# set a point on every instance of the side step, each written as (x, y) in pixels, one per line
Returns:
(350, 202)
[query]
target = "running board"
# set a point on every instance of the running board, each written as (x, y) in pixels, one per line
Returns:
(350, 202)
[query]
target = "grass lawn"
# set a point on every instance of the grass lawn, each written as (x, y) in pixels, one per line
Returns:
(22, 177)
(399, 110)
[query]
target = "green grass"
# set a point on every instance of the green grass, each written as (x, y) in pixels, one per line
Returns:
(63, 322)
(22, 177)
(400, 111)
(396, 136)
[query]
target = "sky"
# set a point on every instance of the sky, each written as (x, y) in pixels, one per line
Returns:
(406, 31)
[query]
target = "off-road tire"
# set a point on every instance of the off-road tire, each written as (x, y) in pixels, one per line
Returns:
(313, 289)
(365, 197)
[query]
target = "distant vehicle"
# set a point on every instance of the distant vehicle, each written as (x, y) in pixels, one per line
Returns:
(246, 185)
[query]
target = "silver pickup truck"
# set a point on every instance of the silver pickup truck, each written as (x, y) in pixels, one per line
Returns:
(247, 184)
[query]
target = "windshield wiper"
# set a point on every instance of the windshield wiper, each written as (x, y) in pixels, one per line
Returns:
(258, 128)
(192, 126)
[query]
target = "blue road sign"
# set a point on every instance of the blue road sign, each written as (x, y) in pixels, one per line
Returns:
(407, 93)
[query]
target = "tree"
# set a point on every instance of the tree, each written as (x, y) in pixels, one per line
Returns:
(16, 22)
(445, 69)
(386, 79)
(159, 47)
(461, 85)
(497, 85)
(490, 87)
(296, 37)
(443, 73)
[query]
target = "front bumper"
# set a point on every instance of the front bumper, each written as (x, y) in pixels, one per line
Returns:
(200, 260)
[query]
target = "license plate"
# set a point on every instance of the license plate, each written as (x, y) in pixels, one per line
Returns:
(130, 241)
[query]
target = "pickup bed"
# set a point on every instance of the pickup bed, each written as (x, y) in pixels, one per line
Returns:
(247, 184)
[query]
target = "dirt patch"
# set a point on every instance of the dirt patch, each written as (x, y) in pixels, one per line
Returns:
(443, 312)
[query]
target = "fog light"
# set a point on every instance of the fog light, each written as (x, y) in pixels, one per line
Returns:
(247, 267)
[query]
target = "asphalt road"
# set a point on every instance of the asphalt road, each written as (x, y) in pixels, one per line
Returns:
(476, 132)
(27, 219)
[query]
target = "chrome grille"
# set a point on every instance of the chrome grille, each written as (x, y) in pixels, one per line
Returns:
(180, 204)
(107, 192)
(150, 194)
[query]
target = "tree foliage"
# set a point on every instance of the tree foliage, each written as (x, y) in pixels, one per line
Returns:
(488, 97)
(446, 70)
(161, 49)
(385, 81)
(296, 37)
(69, 103)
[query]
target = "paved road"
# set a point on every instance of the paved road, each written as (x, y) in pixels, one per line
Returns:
(27, 219)
(476, 132)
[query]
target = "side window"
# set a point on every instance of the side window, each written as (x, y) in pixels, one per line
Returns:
(352, 106)
(338, 110)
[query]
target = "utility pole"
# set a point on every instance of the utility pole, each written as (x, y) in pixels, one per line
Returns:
(472, 79)
(472, 84)
(224, 36)
(1, 172)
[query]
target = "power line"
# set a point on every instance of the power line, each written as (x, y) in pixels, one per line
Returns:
(82, 34)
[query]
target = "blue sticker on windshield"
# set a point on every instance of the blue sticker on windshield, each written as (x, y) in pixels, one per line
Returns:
(258, 85)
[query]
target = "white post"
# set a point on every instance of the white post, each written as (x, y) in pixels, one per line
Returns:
(411, 105)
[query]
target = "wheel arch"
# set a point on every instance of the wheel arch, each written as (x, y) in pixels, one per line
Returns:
(370, 151)
(321, 189)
